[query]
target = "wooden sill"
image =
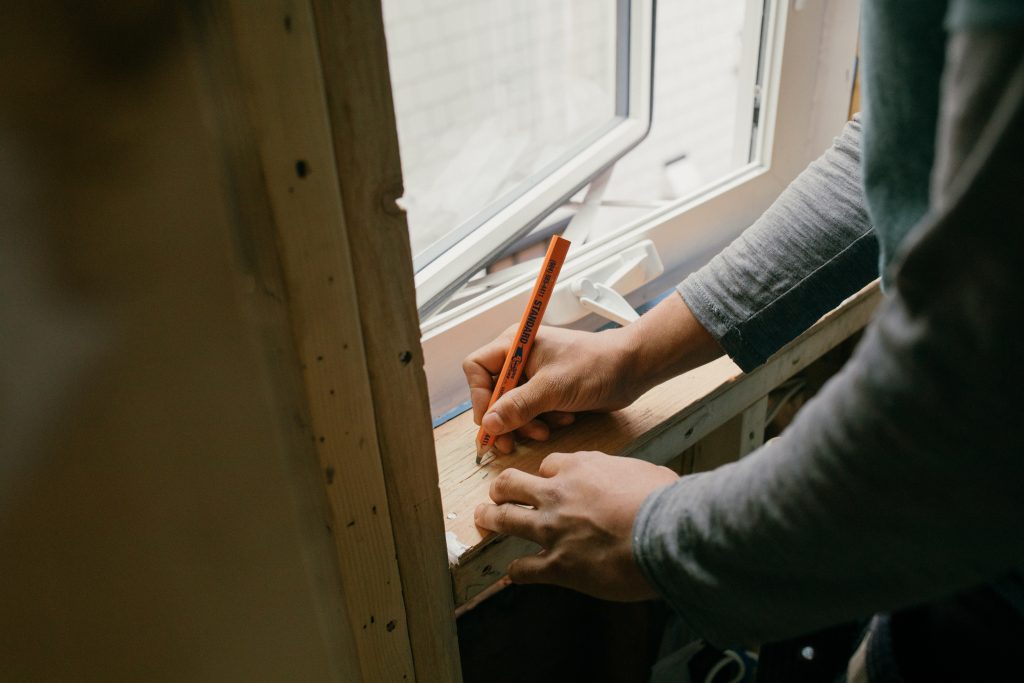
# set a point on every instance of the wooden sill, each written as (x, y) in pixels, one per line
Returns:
(658, 427)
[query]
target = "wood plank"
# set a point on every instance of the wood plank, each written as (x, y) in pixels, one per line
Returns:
(272, 103)
(660, 425)
(736, 438)
(365, 143)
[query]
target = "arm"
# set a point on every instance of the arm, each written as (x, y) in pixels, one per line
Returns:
(811, 249)
(901, 481)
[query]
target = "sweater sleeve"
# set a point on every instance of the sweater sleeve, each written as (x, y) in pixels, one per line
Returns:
(810, 250)
(901, 481)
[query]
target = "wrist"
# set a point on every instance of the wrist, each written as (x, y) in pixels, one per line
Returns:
(630, 361)
(666, 341)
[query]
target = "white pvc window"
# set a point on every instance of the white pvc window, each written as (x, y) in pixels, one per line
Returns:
(504, 110)
(745, 94)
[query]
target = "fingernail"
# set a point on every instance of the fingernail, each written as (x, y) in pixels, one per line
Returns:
(493, 423)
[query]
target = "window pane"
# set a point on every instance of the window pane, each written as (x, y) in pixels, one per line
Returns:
(704, 116)
(704, 76)
(703, 125)
(490, 95)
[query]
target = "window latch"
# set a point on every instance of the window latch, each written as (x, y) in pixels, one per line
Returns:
(601, 288)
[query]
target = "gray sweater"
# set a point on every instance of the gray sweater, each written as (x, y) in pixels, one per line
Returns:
(903, 480)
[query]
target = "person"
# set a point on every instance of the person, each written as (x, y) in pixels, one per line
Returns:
(896, 491)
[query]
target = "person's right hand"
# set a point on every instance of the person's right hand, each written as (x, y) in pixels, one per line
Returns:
(567, 372)
(570, 372)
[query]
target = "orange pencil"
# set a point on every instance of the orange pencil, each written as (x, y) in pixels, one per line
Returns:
(515, 360)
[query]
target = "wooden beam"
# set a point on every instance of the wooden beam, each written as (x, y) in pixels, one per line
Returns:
(658, 427)
(264, 70)
(365, 144)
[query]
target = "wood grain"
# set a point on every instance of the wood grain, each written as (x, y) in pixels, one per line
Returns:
(658, 427)
(357, 84)
(273, 109)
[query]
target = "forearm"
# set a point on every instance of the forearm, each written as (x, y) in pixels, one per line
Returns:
(811, 249)
(901, 481)
(666, 341)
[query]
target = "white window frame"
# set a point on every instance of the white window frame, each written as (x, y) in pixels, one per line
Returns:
(447, 271)
(810, 59)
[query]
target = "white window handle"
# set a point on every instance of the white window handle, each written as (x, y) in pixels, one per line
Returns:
(605, 301)
(601, 288)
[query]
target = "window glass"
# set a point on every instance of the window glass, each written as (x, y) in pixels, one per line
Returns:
(705, 66)
(490, 95)
(704, 119)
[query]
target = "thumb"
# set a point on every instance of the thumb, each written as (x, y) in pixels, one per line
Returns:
(520, 405)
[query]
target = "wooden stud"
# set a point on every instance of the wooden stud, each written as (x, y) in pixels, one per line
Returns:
(365, 143)
(265, 72)
(736, 438)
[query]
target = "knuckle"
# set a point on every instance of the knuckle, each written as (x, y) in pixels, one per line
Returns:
(547, 528)
(554, 494)
(502, 483)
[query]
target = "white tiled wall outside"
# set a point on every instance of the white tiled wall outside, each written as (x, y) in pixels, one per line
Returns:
(488, 91)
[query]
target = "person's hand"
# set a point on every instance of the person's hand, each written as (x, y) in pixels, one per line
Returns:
(567, 371)
(583, 507)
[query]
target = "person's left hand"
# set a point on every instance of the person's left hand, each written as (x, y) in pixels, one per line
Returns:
(584, 505)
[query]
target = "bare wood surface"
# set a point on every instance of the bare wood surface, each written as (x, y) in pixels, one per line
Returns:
(736, 438)
(272, 104)
(658, 427)
(365, 144)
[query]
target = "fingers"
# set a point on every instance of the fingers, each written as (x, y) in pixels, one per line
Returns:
(480, 367)
(551, 465)
(516, 486)
(521, 405)
(509, 519)
(537, 430)
(540, 568)
(504, 443)
(558, 418)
